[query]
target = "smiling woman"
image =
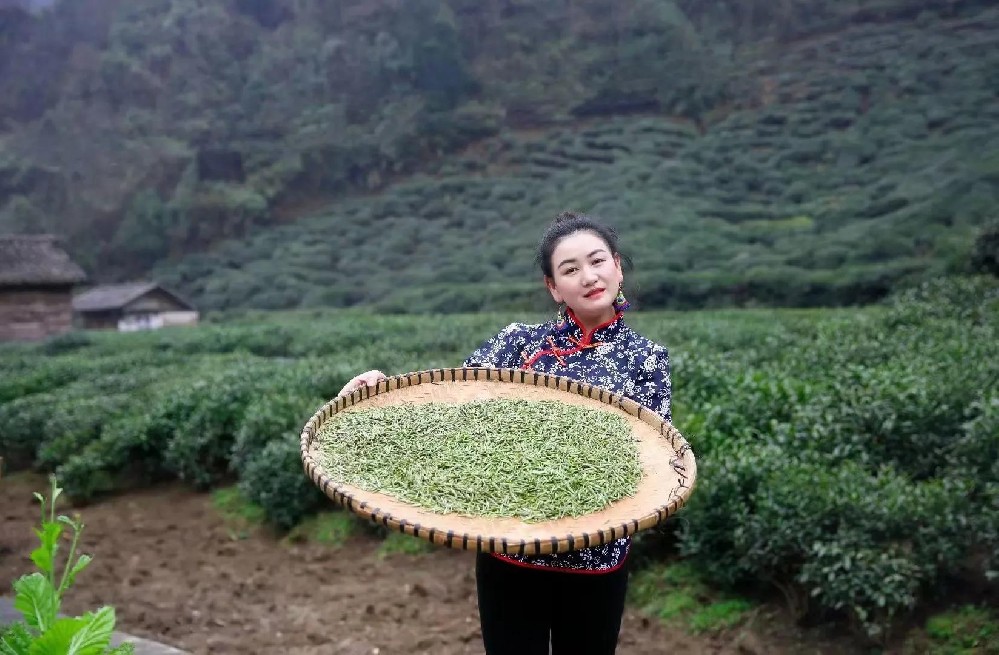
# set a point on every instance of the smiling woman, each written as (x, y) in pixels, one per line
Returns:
(588, 341)
(588, 273)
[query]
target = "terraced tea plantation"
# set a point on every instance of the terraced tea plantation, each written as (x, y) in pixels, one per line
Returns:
(843, 165)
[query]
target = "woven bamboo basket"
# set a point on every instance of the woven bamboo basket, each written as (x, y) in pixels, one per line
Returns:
(668, 467)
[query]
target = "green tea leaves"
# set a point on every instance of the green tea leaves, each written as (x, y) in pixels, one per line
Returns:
(532, 460)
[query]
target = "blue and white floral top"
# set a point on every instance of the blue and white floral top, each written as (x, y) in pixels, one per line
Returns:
(611, 356)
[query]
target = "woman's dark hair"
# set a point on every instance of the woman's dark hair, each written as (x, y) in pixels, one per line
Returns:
(568, 223)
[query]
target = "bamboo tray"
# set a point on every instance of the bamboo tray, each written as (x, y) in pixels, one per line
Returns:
(668, 467)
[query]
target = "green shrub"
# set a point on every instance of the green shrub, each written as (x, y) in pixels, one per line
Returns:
(204, 421)
(275, 480)
(131, 447)
(889, 414)
(128, 453)
(713, 531)
(986, 529)
(263, 340)
(971, 299)
(872, 585)
(975, 458)
(75, 425)
(65, 343)
(743, 406)
(822, 534)
(270, 417)
(42, 377)
(22, 419)
(975, 452)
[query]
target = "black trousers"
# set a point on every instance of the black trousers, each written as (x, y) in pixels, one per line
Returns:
(520, 609)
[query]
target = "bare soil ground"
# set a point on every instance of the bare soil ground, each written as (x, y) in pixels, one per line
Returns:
(176, 573)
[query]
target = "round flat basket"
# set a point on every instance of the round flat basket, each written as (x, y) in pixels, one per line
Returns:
(668, 469)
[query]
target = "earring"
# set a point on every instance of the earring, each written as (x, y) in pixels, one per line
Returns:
(560, 319)
(621, 303)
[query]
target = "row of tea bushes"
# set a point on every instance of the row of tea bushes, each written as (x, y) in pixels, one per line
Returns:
(109, 410)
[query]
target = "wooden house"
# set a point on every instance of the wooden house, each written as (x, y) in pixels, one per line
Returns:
(132, 306)
(36, 287)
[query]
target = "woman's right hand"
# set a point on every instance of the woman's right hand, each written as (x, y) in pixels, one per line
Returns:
(365, 379)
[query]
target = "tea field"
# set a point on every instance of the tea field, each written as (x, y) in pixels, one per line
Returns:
(848, 458)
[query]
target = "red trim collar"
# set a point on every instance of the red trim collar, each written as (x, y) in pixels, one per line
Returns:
(588, 336)
(582, 344)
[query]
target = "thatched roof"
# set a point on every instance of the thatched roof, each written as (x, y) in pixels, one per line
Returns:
(116, 296)
(36, 260)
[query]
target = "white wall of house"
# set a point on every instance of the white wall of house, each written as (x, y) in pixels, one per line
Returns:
(155, 321)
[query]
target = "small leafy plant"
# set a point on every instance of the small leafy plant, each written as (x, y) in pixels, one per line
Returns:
(38, 597)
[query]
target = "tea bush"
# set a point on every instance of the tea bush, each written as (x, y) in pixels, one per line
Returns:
(879, 467)
(204, 417)
(22, 419)
(73, 426)
(975, 457)
(22, 377)
(277, 415)
(273, 478)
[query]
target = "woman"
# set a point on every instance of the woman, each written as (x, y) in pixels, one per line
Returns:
(573, 599)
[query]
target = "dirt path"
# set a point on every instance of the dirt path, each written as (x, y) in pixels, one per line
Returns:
(166, 560)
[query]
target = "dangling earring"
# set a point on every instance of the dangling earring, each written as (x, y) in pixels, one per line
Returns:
(621, 303)
(560, 319)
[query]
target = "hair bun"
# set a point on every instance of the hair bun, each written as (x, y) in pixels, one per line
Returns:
(566, 216)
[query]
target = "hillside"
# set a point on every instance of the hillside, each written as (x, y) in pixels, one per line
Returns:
(405, 155)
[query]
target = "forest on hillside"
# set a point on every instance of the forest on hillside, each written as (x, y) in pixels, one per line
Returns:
(249, 152)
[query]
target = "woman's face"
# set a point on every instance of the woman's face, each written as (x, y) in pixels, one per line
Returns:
(585, 276)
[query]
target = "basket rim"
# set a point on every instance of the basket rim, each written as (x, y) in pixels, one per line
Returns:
(683, 465)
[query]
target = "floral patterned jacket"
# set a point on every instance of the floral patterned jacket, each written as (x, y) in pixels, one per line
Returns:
(612, 356)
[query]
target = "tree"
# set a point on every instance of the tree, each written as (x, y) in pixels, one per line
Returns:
(439, 69)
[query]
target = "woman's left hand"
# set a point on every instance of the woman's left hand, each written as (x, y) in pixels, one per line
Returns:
(366, 379)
